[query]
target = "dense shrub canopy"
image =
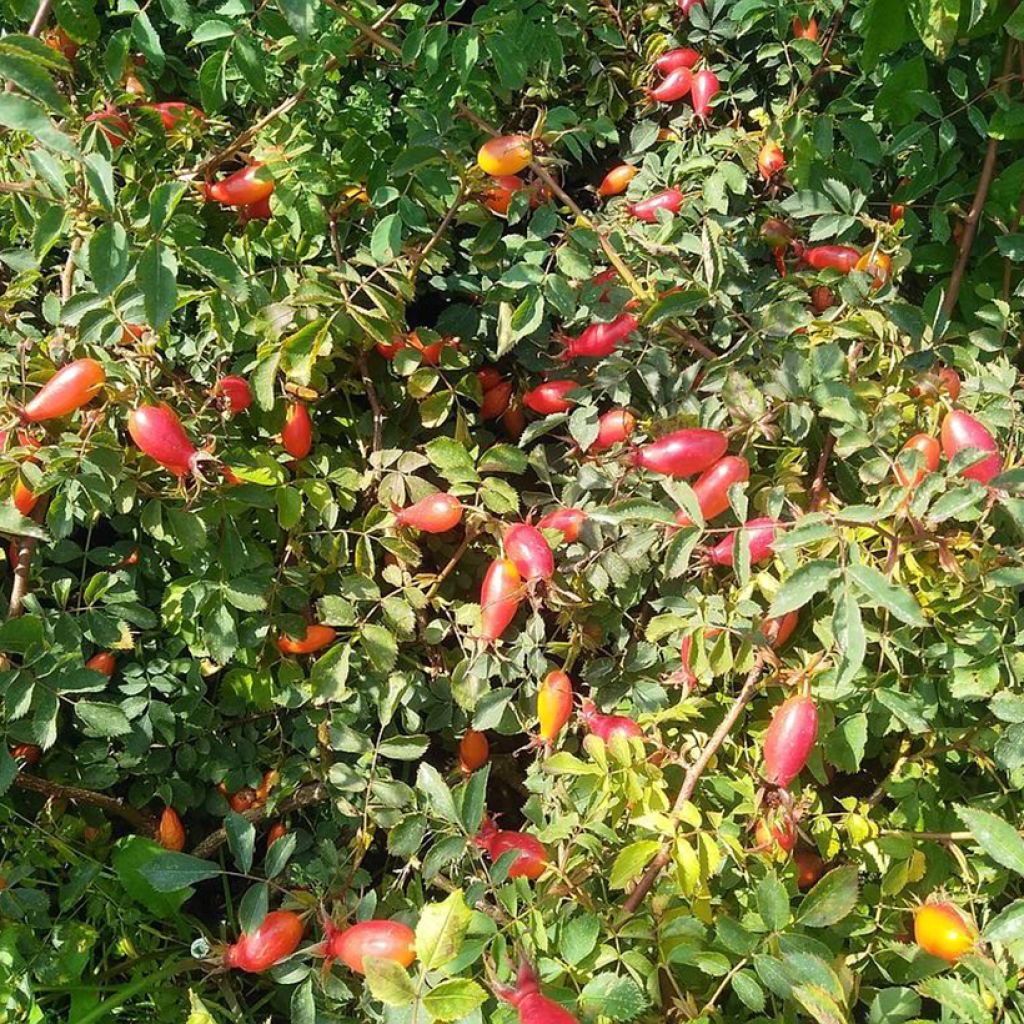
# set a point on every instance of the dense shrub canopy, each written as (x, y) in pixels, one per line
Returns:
(368, 290)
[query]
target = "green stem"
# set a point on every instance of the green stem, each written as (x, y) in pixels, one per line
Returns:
(97, 1013)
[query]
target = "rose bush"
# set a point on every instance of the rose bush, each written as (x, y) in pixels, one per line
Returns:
(407, 566)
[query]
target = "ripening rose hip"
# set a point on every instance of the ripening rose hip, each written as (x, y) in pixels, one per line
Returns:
(24, 498)
(174, 111)
(683, 452)
(960, 431)
(808, 31)
(277, 937)
(68, 389)
(789, 740)
(170, 833)
(549, 397)
(473, 751)
(567, 520)
(617, 180)
(712, 487)
(775, 835)
(27, 753)
(671, 199)
(500, 595)
(681, 57)
(532, 859)
(383, 940)
(554, 705)
(531, 1006)
(158, 433)
(688, 5)
(115, 126)
(704, 89)
(613, 427)
(949, 381)
(599, 340)
(436, 513)
(506, 154)
(105, 663)
(832, 257)
(878, 265)
(673, 87)
(496, 400)
(809, 868)
(605, 727)
(787, 626)
(498, 196)
(928, 449)
(940, 929)
(760, 538)
(316, 639)
(250, 185)
(770, 161)
(297, 432)
(529, 552)
(235, 392)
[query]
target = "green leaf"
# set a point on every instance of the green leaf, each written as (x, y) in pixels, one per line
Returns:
(241, 839)
(380, 646)
(998, 838)
(962, 1001)
(898, 601)
(802, 585)
(102, 720)
(440, 931)
(386, 240)
(300, 15)
(253, 906)
(1007, 926)
(820, 1006)
(157, 275)
(430, 783)
(389, 982)
(108, 257)
(631, 861)
(612, 996)
(130, 856)
(773, 903)
(24, 115)
(172, 872)
(30, 78)
(303, 1004)
(936, 23)
(832, 898)
(454, 999)
(578, 939)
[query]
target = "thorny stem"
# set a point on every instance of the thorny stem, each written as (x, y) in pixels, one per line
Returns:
(697, 769)
(304, 796)
(145, 823)
(978, 204)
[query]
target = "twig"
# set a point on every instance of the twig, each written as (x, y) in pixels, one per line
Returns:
(23, 567)
(978, 204)
(818, 490)
(304, 796)
(367, 30)
(67, 275)
(145, 823)
(243, 138)
(375, 407)
(471, 536)
(718, 737)
(42, 13)
(449, 216)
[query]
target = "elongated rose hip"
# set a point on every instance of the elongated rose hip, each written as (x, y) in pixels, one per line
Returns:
(599, 340)
(532, 856)
(712, 487)
(675, 86)
(682, 57)
(671, 199)
(529, 552)
(683, 452)
(68, 389)
(832, 257)
(436, 513)
(158, 432)
(384, 940)
(277, 937)
(616, 181)
(613, 427)
(554, 705)
(760, 534)
(500, 595)
(789, 740)
(550, 397)
(703, 90)
(960, 431)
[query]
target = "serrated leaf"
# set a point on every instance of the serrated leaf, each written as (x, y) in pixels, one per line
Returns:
(832, 898)
(440, 931)
(998, 838)
(897, 600)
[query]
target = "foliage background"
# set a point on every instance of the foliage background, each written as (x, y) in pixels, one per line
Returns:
(911, 623)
